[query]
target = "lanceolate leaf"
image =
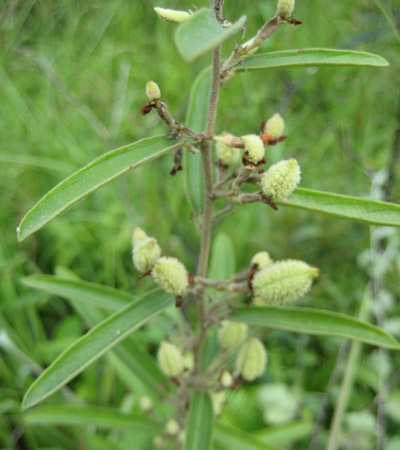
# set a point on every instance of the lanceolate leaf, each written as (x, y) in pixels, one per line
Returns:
(200, 422)
(202, 32)
(81, 291)
(196, 119)
(97, 417)
(371, 212)
(228, 438)
(91, 177)
(94, 344)
(314, 321)
(312, 57)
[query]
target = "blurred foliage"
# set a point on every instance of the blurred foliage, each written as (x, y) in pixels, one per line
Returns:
(72, 77)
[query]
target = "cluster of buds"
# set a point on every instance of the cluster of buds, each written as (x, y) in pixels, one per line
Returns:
(169, 273)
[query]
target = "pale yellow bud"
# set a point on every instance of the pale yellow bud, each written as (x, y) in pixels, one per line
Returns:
(170, 359)
(255, 148)
(285, 8)
(283, 282)
(152, 91)
(262, 259)
(145, 254)
(252, 360)
(218, 399)
(145, 403)
(226, 379)
(280, 180)
(226, 154)
(275, 126)
(171, 275)
(172, 427)
(232, 334)
(138, 235)
(171, 15)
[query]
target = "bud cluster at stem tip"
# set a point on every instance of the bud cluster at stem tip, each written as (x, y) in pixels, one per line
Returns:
(171, 275)
(254, 147)
(281, 180)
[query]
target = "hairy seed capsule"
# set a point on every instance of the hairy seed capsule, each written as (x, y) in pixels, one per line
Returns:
(232, 334)
(226, 379)
(252, 360)
(171, 275)
(285, 8)
(170, 359)
(262, 259)
(172, 15)
(275, 126)
(145, 254)
(280, 180)
(283, 282)
(255, 148)
(152, 90)
(172, 427)
(226, 154)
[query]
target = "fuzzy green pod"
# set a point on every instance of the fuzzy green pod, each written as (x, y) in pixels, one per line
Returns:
(254, 147)
(232, 334)
(170, 359)
(171, 275)
(226, 154)
(172, 15)
(152, 91)
(280, 180)
(285, 8)
(252, 360)
(145, 254)
(275, 126)
(283, 282)
(262, 259)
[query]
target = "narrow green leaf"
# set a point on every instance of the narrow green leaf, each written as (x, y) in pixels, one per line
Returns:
(200, 422)
(312, 57)
(202, 32)
(196, 119)
(94, 416)
(91, 177)
(285, 434)
(229, 438)
(82, 291)
(315, 321)
(94, 344)
(372, 212)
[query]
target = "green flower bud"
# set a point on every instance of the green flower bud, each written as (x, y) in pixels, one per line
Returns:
(218, 399)
(145, 254)
(152, 90)
(285, 8)
(275, 126)
(171, 275)
(280, 180)
(232, 334)
(170, 359)
(252, 360)
(226, 379)
(172, 427)
(255, 148)
(145, 403)
(262, 259)
(171, 15)
(138, 235)
(283, 282)
(226, 154)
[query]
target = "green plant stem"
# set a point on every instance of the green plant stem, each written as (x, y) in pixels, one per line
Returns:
(206, 229)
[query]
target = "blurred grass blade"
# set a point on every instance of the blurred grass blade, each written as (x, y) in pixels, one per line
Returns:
(315, 321)
(94, 344)
(229, 438)
(285, 434)
(312, 57)
(372, 212)
(94, 416)
(196, 119)
(202, 32)
(199, 426)
(91, 177)
(82, 291)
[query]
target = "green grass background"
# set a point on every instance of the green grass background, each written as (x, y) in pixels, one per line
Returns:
(72, 78)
